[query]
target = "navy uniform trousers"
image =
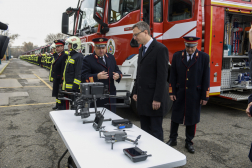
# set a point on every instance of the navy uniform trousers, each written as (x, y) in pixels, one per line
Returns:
(152, 125)
(190, 132)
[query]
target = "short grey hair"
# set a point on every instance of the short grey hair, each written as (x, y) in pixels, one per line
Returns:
(142, 26)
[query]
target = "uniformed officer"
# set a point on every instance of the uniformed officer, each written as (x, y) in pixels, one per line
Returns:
(72, 71)
(101, 67)
(57, 71)
(189, 89)
(39, 59)
(53, 55)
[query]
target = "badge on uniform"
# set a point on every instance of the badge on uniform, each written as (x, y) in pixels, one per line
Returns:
(91, 79)
(170, 88)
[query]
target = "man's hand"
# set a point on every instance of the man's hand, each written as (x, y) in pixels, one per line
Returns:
(155, 105)
(173, 97)
(135, 97)
(115, 76)
(250, 30)
(247, 110)
(102, 75)
(203, 102)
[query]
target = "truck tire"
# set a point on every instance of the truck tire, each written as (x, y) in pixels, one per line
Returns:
(168, 107)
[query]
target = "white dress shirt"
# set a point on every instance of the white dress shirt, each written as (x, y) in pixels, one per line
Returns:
(148, 44)
(188, 57)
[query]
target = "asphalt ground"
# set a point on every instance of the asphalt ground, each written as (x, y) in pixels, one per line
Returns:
(28, 139)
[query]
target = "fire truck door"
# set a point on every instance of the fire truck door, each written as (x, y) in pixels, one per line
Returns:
(156, 19)
(145, 11)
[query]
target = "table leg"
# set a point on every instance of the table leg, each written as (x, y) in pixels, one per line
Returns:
(62, 158)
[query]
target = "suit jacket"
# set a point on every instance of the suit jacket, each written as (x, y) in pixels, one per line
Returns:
(91, 66)
(151, 79)
(190, 83)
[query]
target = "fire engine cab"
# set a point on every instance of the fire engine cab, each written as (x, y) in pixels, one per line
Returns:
(222, 25)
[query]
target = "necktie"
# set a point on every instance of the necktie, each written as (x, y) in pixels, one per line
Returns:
(190, 58)
(143, 51)
(101, 58)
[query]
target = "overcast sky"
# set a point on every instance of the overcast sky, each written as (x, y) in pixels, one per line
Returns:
(33, 19)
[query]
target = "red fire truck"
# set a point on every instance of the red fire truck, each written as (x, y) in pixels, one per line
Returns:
(223, 26)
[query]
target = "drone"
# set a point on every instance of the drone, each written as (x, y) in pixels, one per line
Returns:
(90, 92)
(116, 136)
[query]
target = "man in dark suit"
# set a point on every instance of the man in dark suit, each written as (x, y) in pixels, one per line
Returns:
(189, 89)
(101, 67)
(150, 91)
(57, 71)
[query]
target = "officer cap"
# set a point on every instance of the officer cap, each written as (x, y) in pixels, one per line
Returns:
(100, 42)
(191, 41)
(59, 42)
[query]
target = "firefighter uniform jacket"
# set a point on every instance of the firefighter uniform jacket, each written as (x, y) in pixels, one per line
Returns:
(72, 72)
(189, 82)
(52, 61)
(57, 72)
(92, 65)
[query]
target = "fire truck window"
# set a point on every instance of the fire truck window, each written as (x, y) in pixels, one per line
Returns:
(120, 8)
(180, 9)
(158, 8)
(99, 8)
(247, 0)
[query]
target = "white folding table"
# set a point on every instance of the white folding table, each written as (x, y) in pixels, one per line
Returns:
(89, 150)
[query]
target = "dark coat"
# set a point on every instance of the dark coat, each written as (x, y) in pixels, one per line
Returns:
(72, 76)
(151, 79)
(92, 66)
(190, 83)
(57, 72)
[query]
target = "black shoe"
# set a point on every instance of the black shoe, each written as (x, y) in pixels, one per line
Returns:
(172, 143)
(189, 147)
(55, 107)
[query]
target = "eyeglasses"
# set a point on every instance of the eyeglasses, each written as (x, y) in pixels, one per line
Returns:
(134, 35)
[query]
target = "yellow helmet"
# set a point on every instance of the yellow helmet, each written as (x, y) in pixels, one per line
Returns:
(75, 41)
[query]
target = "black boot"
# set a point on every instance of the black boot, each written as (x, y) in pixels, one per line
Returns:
(189, 147)
(172, 142)
(55, 107)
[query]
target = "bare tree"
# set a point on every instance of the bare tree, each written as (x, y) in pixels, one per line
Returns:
(11, 36)
(51, 37)
(28, 46)
(16, 51)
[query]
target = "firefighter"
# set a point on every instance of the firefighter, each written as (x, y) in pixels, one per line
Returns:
(101, 67)
(53, 55)
(189, 89)
(39, 59)
(72, 71)
(57, 71)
